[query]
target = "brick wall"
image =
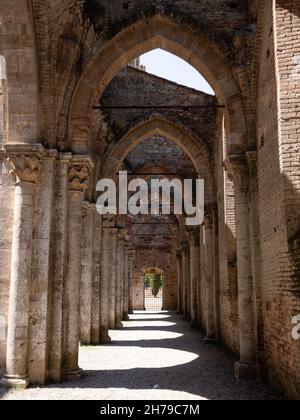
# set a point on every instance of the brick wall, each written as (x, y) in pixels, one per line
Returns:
(162, 258)
(275, 163)
(135, 87)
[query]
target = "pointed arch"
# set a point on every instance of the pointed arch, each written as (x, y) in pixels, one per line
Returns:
(164, 128)
(143, 36)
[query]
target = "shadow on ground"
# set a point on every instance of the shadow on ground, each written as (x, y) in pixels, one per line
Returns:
(155, 355)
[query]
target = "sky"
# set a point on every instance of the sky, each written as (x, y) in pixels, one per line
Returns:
(169, 66)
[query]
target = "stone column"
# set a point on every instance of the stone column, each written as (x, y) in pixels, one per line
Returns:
(209, 279)
(113, 279)
(86, 291)
(119, 280)
(194, 274)
(131, 261)
(185, 278)
(107, 224)
(123, 277)
(179, 280)
(126, 284)
(26, 169)
(57, 269)
(39, 288)
(96, 279)
(78, 177)
(216, 274)
(247, 367)
(201, 285)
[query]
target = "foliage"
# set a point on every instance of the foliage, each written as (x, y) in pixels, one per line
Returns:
(155, 282)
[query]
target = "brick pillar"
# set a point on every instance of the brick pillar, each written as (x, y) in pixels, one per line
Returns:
(247, 367)
(78, 176)
(26, 169)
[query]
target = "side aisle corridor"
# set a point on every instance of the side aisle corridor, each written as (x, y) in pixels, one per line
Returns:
(155, 356)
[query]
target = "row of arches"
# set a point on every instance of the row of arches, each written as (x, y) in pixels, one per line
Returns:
(68, 274)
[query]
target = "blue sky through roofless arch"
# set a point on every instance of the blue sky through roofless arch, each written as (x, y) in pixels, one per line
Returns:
(171, 67)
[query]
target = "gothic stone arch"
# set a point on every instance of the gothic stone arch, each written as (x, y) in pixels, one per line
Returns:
(144, 36)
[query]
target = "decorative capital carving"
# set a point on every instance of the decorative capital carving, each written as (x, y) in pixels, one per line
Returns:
(238, 171)
(108, 221)
(25, 168)
(123, 234)
(179, 255)
(79, 174)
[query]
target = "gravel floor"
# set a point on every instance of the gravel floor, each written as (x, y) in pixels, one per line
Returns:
(155, 357)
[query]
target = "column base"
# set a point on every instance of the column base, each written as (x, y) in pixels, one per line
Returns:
(244, 372)
(12, 382)
(73, 375)
(119, 326)
(126, 318)
(105, 338)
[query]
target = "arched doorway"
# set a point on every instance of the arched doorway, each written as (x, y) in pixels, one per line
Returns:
(153, 289)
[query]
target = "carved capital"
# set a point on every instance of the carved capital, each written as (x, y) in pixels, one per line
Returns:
(79, 174)
(238, 171)
(179, 255)
(123, 234)
(108, 221)
(25, 168)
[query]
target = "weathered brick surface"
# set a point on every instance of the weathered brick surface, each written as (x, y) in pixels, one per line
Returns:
(59, 57)
(135, 87)
(278, 167)
(160, 258)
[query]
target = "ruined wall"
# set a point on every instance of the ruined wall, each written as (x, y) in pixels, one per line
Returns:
(163, 259)
(135, 87)
(274, 153)
(209, 19)
(17, 42)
